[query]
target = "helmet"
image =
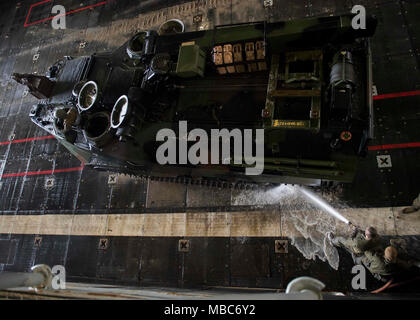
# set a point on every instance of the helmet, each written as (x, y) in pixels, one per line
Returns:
(371, 232)
(391, 254)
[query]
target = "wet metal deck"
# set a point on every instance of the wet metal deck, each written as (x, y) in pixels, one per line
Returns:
(144, 220)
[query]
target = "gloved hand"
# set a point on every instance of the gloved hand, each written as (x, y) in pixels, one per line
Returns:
(356, 230)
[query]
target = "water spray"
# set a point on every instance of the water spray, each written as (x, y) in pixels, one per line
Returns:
(309, 231)
(323, 205)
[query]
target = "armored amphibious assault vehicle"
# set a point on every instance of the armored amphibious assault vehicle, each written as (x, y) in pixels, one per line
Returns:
(307, 83)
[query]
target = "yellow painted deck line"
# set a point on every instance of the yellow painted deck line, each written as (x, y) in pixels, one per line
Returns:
(272, 223)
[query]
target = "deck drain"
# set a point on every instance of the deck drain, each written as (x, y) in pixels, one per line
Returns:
(113, 179)
(103, 244)
(281, 246)
(38, 242)
(49, 183)
(184, 245)
(268, 3)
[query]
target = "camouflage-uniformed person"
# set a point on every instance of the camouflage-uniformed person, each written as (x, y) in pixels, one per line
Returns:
(69, 118)
(383, 265)
(359, 241)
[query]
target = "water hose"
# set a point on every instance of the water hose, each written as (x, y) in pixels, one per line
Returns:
(389, 284)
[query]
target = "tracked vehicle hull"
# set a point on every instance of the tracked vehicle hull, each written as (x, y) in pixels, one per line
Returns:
(307, 83)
